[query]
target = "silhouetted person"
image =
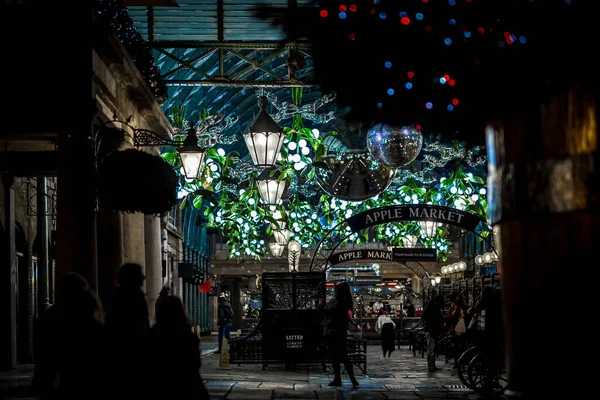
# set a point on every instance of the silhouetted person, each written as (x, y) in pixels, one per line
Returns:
(164, 292)
(127, 325)
(174, 354)
(225, 320)
(433, 323)
(335, 329)
(72, 355)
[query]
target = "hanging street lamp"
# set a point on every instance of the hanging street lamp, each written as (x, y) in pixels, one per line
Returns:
(429, 228)
(191, 155)
(281, 220)
(270, 189)
(265, 138)
(276, 249)
(410, 241)
(282, 236)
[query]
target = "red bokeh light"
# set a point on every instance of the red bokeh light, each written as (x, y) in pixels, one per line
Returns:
(428, 28)
(372, 11)
(451, 82)
(353, 7)
(405, 20)
(324, 13)
(455, 102)
(418, 127)
(447, 77)
(425, 1)
(481, 30)
(343, 8)
(351, 36)
(410, 74)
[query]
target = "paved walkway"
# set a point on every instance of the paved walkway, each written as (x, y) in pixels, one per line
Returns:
(402, 376)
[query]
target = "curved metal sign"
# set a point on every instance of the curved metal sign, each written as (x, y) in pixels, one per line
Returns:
(377, 216)
(413, 212)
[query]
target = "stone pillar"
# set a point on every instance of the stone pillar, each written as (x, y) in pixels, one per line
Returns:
(236, 305)
(42, 231)
(110, 252)
(134, 249)
(543, 196)
(152, 243)
(76, 208)
(8, 280)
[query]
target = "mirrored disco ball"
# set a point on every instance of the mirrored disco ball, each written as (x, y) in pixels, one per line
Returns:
(394, 146)
(353, 176)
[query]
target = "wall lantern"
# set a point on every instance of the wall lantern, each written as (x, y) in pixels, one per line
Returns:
(269, 188)
(191, 155)
(294, 250)
(276, 249)
(265, 138)
(437, 278)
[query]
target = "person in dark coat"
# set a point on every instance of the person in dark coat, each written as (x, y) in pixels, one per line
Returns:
(127, 324)
(224, 321)
(336, 325)
(174, 354)
(433, 323)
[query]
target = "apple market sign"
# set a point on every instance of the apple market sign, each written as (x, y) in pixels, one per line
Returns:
(384, 215)
(396, 255)
(413, 212)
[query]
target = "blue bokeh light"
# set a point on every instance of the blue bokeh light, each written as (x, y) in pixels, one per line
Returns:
(388, 64)
(342, 15)
(428, 105)
(448, 41)
(379, 105)
(467, 34)
(403, 14)
(409, 85)
(442, 80)
(450, 107)
(419, 16)
(452, 21)
(522, 39)
(382, 15)
(390, 91)
(452, 2)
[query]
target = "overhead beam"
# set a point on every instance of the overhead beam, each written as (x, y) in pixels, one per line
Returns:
(240, 84)
(236, 45)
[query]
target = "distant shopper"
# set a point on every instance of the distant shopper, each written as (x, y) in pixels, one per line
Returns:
(335, 330)
(433, 323)
(409, 308)
(386, 327)
(225, 320)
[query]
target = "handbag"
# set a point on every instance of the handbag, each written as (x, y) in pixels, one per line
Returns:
(460, 327)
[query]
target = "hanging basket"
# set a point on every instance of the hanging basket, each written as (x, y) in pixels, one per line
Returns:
(135, 181)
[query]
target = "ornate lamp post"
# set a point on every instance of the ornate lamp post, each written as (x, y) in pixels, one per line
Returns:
(265, 138)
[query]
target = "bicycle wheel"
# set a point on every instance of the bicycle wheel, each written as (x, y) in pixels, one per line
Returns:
(462, 367)
(485, 377)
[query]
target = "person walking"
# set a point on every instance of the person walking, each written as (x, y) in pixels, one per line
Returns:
(386, 327)
(335, 329)
(433, 323)
(224, 321)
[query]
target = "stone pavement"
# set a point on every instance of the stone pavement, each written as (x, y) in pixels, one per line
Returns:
(402, 376)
